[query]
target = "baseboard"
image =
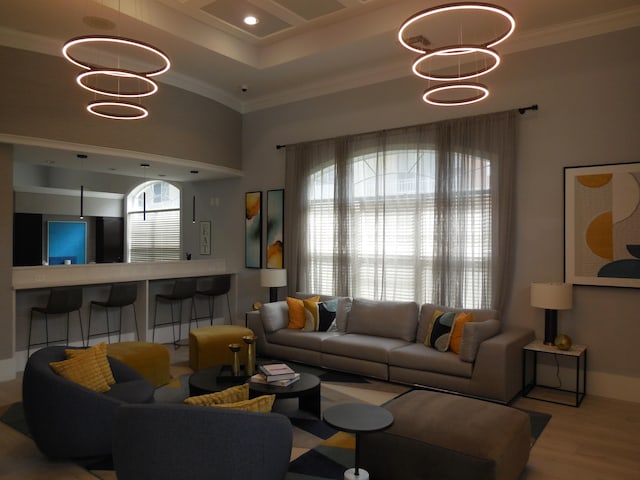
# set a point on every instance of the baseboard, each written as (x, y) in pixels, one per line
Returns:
(8, 369)
(615, 386)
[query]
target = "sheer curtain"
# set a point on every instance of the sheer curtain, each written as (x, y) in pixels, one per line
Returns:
(418, 213)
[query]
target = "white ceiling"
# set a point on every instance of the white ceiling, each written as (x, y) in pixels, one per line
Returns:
(300, 49)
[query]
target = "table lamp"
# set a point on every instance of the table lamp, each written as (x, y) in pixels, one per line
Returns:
(552, 297)
(273, 278)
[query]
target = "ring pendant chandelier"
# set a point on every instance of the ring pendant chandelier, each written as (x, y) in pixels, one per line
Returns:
(456, 86)
(104, 76)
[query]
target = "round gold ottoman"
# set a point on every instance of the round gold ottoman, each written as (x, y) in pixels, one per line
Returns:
(151, 360)
(208, 346)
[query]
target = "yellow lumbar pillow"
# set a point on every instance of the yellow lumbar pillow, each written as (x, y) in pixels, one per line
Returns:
(230, 395)
(100, 353)
(236, 398)
(83, 370)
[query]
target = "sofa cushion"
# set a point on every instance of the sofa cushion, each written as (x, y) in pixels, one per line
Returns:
(474, 334)
(458, 329)
(417, 356)
(300, 339)
(274, 316)
(319, 315)
(384, 318)
(363, 347)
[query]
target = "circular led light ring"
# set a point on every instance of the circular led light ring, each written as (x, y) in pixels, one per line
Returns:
(458, 6)
(108, 39)
(428, 94)
(153, 86)
(139, 111)
(458, 50)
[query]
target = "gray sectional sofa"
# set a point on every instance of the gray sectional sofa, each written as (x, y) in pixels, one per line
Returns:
(385, 340)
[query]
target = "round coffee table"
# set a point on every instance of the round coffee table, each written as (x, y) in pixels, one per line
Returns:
(206, 381)
(306, 390)
(358, 418)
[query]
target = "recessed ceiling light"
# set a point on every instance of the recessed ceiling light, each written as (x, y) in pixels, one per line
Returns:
(251, 20)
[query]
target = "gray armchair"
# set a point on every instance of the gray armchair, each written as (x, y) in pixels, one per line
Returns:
(165, 442)
(69, 421)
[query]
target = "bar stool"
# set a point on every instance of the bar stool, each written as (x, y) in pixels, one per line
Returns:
(183, 289)
(220, 285)
(61, 300)
(121, 295)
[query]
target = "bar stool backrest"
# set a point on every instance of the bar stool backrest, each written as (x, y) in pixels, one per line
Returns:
(122, 294)
(184, 288)
(64, 300)
(220, 285)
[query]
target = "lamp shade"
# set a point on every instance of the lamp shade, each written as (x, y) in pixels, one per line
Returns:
(552, 296)
(273, 277)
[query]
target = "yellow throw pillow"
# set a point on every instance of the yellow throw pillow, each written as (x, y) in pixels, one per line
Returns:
(311, 315)
(83, 370)
(229, 395)
(100, 353)
(456, 332)
(261, 404)
(297, 318)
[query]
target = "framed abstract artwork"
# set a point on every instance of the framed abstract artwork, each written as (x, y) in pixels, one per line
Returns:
(253, 229)
(602, 225)
(275, 228)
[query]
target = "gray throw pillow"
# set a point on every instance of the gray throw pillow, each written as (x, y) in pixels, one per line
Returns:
(473, 335)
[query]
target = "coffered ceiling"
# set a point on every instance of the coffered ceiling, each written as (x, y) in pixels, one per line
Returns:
(299, 48)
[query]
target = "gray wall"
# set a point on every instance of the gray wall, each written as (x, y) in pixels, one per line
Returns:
(589, 113)
(39, 98)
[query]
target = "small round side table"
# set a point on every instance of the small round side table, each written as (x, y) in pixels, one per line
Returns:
(358, 418)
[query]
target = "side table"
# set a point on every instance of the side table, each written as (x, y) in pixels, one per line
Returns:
(358, 418)
(578, 352)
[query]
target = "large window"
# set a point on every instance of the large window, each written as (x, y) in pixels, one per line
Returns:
(421, 213)
(153, 223)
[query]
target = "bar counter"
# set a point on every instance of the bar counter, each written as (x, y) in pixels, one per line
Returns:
(31, 286)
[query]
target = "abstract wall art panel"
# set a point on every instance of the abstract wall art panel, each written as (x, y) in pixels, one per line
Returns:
(602, 225)
(275, 229)
(253, 229)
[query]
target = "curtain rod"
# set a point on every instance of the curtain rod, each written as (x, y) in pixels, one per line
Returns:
(522, 111)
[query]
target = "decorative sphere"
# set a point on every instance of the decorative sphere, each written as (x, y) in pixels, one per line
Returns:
(563, 342)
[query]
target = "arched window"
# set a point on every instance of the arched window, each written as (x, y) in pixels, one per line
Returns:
(153, 222)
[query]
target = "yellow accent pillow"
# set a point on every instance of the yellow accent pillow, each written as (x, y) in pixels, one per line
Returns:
(456, 332)
(297, 317)
(262, 404)
(230, 395)
(311, 315)
(100, 353)
(83, 370)
(234, 397)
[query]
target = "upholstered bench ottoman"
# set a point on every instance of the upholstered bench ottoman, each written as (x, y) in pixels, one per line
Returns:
(438, 436)
(151, 360)
(209, 346)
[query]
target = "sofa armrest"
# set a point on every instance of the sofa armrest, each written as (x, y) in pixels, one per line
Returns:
(498, 365)
(254, 322)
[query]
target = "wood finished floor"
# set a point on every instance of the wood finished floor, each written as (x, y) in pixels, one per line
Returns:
(598, 441)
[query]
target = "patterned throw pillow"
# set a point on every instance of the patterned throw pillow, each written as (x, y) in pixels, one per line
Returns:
(262, 404)
(83, 370)
(229, 395)
(100, 353)
(297, 318)
(234, 397)
(445, 330)
(456, 332)
(319, 315)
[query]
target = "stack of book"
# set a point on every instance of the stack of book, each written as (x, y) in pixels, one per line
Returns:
(278, 374)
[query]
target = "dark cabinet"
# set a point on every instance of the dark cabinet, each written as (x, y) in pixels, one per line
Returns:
(27, 239)
(109, 239)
